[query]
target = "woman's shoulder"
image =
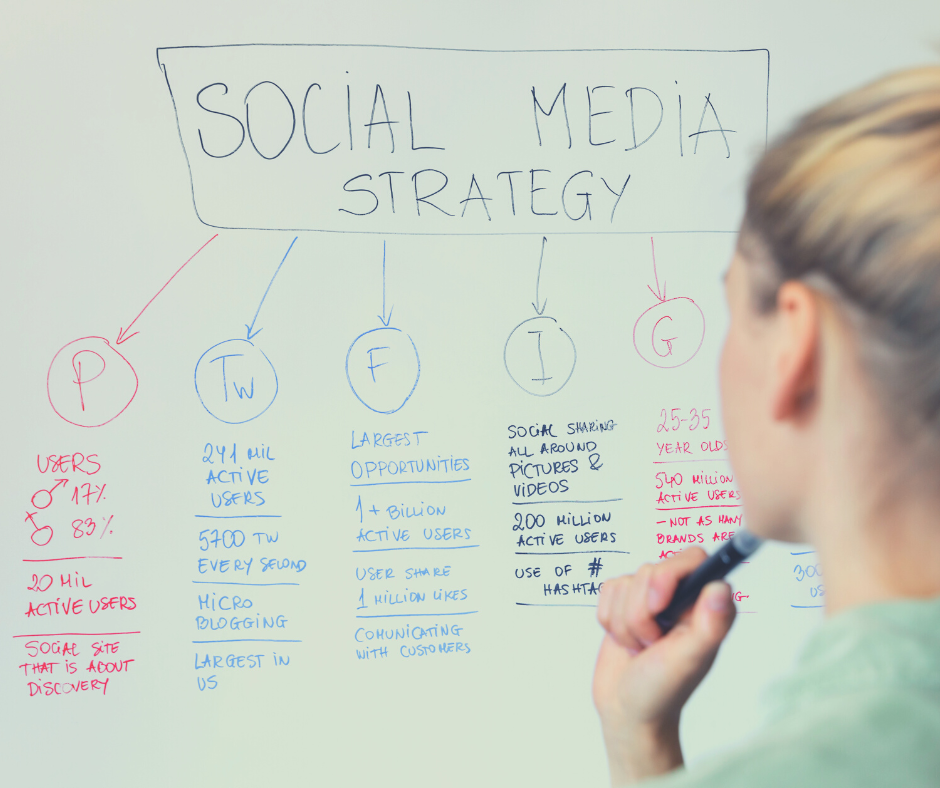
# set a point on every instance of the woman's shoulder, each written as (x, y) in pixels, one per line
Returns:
(875, 738)
(862, 708)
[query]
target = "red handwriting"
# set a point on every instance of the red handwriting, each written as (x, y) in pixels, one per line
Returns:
(68, 463)
(78, 606)
(48, 688)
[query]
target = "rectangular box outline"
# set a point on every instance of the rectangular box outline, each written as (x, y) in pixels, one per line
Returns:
(445, 234)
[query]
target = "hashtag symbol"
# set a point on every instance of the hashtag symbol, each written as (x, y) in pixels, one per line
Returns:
(595, 567)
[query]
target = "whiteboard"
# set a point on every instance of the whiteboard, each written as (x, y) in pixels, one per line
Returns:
(350, 349)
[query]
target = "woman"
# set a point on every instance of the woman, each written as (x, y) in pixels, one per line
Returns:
(830, 380)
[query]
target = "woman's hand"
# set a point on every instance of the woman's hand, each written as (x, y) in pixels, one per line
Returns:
(642, 679)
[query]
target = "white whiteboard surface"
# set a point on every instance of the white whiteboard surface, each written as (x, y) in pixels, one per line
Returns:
(176, 285)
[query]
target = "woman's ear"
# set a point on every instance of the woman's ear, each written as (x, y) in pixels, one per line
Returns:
(796, 367)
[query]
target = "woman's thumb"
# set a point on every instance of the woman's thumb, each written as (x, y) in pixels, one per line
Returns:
(713, 615)
(699, 635)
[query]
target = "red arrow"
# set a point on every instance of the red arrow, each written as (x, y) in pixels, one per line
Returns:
(123, 336)
(661, 297)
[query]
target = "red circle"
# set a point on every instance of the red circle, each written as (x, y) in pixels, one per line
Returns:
(49, 375)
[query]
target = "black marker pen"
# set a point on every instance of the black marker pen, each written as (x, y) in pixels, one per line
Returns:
(715, 567)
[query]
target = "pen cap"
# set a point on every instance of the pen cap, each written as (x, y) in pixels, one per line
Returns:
(745, 543)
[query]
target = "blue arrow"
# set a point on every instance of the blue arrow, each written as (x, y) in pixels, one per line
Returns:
(385, 319)
(254, 334)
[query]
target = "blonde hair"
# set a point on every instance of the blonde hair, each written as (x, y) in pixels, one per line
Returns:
(849, 201)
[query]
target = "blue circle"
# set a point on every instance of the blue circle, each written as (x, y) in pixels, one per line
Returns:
(199, 394)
